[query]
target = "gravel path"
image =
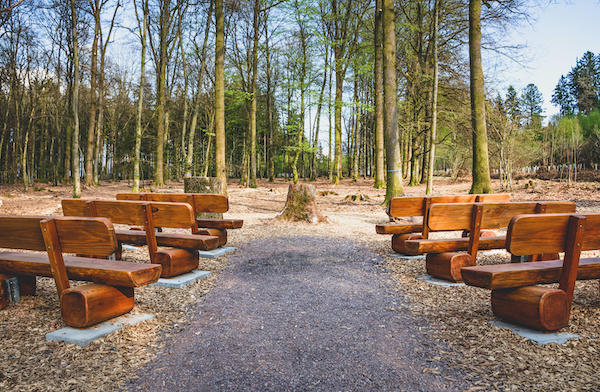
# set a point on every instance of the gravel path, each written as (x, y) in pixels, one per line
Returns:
(300, 314)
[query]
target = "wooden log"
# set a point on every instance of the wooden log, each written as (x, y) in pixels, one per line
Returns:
(176, 261)
(89, 304)
(301, 205)
(447, 265)
(3, 291)
(204, 185)
(219, 223)
(111, 272)
(221, 234)
(175, 240)
(533, 306)
(441, 245)
(27, 284)
(398, 241)
(398, 228)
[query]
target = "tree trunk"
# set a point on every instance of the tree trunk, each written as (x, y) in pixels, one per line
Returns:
(75, 145)
(434, 100)
(379, 138)
(220, 95)
(390, 120)
(301, 205)
(138, 126)
(482, 182)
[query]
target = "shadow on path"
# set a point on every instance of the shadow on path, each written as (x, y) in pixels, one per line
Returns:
(299, 314)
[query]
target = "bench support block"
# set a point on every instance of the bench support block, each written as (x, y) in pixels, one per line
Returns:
(537, 307)
(89, 304)
(398, 241)
(221, 233)
(447, 265)
(176, 261)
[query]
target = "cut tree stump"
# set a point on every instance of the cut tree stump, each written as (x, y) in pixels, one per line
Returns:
(301, 205)
(204, 185)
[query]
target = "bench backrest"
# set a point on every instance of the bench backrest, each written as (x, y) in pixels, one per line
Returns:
(174, 215)
(459, 216)
(417, 206)
(200, 202)
(94, 236)
(548, 233)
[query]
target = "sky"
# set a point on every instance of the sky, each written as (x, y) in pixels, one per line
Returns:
(560, 34)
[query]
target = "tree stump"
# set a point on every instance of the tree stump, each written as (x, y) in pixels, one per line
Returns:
(204, 185)
(301, 205)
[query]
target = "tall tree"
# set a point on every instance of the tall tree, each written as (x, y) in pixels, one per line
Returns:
(390, 106)
(379, 132)
(143, 28)
(75, 151)
(434, 99)
(482, 182)
(220, 95)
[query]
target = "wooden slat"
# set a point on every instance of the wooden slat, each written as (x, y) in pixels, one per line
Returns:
(398, 228)
(222, 224)
(202, 202)
(547, 233)
(92, 236)
(440, 245)
(111, 272)
(457, 216)
(504, 276)
(184, 241)
(130, 212)
(414, 206)
(21, 232)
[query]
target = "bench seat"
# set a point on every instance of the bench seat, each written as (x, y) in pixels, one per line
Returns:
(504, 276)
(175, 240)
(221, 224)
(110, 272)
(398, 228)
(441, 245)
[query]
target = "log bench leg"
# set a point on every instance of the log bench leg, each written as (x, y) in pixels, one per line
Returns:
(447, 265)
(176, 261)
(90, 304)
(3, 291)
(537, 307)
(221, 233)
(398, 241)
(27, 284)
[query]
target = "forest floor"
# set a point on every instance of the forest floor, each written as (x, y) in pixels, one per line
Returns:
(457, 319)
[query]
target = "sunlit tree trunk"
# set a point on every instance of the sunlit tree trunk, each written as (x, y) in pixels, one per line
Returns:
(390, 120)
(379, 138)
(75, 145)
(434, 100)
(482, 182)
(143, 26)
(220, 95)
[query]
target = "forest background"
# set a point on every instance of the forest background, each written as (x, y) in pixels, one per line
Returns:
(300, 91)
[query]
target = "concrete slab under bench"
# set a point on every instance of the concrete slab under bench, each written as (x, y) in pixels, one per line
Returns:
(182, 280)
(84, 336)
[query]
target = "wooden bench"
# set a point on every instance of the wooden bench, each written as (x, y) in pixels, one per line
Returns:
(181, 257)
(515, 296)
(110, 294)
(201, 203)
(415, 207)
(446, 256)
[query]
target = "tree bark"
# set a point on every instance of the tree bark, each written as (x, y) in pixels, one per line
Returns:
(390, 119)
(220, 95)
(379, 136)
(482, 182)
(75, 145)
(301, 205)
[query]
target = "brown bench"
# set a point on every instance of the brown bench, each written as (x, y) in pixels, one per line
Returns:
(110, 294)
(415, 207)
(201, 203)
(446, 256)
(182, 255)
(515, 296)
